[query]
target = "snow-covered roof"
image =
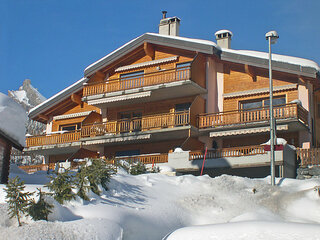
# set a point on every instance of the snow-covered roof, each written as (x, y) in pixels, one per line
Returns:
(283, 63)
(13, 120)
(197, 45)
(60, 96)
(289, 64)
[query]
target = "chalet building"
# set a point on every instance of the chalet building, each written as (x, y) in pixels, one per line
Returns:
(161, 91)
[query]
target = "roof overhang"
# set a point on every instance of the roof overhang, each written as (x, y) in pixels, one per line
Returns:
(60, 96)
(195, 45)
(236, 56)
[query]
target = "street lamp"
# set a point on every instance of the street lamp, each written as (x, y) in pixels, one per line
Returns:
(272, 37)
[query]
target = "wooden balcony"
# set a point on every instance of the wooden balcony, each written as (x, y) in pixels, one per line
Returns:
(308, 157)
(146, 159)
(145, 123)
(57, 138)
(288, 111)
(228, 152)
(143, 80)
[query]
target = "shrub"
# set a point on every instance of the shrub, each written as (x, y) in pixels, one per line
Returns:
(41, 209)
(61, 185)
(137, 168)
(96, 172)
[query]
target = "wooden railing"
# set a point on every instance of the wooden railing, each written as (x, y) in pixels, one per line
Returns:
(228, 152)
(292, 110)
(53, 139)
(39, 167)
(308, 157)
(144, 123)
(148, 79)
(146, 159)
(137, 124)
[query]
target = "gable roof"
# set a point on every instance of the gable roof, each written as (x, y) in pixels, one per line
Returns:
(197, 45)
(282, 63)
(59, 97)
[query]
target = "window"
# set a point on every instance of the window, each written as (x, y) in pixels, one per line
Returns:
(128, 153)
(182, 107)
(186, 64)
(131, 75)
(70, 127)
(258, 103)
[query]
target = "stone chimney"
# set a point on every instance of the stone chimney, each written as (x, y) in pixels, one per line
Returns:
(223, 38)
(169, 26)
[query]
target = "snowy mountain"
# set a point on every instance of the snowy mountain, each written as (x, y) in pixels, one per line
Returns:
(29, 97)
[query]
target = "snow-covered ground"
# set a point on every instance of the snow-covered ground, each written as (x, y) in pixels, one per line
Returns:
(150, 206)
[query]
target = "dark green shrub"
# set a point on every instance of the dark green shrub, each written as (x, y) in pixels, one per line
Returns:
(61, 185)
(41, 209)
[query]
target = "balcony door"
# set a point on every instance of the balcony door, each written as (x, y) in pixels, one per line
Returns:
(182, 114)
(130, 121)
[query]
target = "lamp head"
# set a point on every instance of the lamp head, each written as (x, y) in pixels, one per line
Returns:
(273, 35)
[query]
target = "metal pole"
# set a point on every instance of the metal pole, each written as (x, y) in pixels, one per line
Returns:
(272, 127)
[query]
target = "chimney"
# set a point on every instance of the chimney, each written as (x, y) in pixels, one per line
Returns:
(169, 26)
(223, 38)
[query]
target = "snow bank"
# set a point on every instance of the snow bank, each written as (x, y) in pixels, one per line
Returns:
(248, 230)
(150, 206)
(13, 119)
(280, 141)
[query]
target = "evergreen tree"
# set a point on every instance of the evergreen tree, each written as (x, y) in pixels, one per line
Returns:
(61, 186)
(41, 209)
(17, 199)
(99, 173)
(82, 183)
(138, 168)
(96, 172)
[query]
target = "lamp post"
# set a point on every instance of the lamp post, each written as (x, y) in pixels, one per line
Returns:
(272, 37)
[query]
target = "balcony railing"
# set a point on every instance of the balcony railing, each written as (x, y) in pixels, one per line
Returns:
(148, 79)
(137, 124)
(228, 152)
(146, 159)
(57, 138)
(151, 122)
(291, 110)
(308, 157)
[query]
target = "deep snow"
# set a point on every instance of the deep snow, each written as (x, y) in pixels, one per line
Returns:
(13, 119)
(150, 206)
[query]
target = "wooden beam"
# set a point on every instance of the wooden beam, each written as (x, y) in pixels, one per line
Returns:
(44, 117)
(76, 98)
(250, 71)
(149, 50)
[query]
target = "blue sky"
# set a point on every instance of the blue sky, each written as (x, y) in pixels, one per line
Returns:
(53, 41)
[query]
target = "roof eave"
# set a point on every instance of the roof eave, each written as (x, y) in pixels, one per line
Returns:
(56, 98)
(264, 63)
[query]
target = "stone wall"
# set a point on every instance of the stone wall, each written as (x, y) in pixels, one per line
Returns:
(308, 172)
